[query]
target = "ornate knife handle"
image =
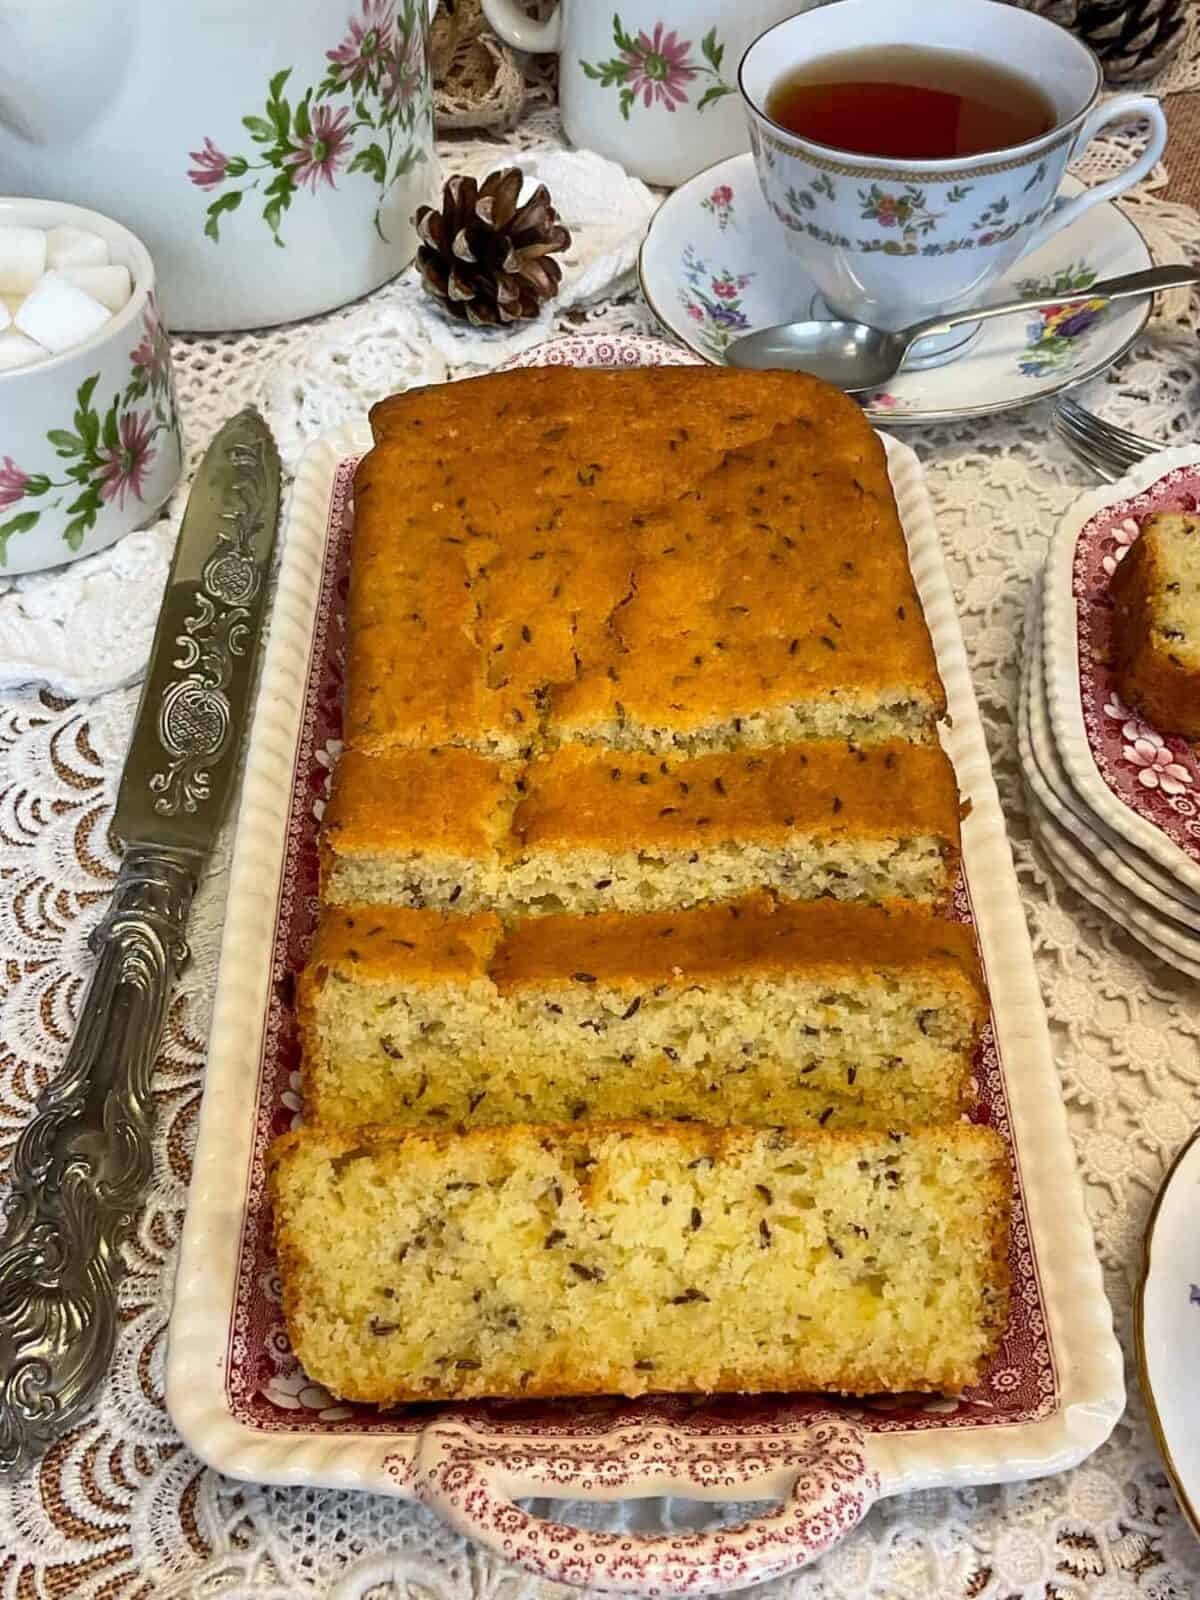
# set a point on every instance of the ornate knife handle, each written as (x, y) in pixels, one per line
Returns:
(81, 1164)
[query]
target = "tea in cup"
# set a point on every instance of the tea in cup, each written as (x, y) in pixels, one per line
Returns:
(909, 172)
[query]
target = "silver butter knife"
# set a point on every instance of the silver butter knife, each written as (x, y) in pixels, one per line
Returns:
(80, 1166)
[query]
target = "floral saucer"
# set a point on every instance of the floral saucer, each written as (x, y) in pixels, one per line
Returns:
(714, 265)
(1167, 1326)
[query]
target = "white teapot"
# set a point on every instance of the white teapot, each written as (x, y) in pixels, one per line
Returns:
(270, 153)
(652, 83)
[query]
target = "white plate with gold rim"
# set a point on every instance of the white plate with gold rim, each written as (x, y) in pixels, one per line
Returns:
(715, 265)
(1166, 1326)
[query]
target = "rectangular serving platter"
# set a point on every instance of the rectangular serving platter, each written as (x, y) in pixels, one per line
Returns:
(1056, 1388)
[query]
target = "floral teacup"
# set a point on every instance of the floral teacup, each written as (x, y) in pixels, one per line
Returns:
(891, 241)
(650, 83)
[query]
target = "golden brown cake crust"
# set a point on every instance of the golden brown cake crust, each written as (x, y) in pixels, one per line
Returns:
(538, 553)
(581, 796)
(757, 935)
(1156, 673)
(379, 941)
(457, 801)
(445, 800)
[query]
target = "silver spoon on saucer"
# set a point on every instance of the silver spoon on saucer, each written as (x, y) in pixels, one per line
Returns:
(855, 356)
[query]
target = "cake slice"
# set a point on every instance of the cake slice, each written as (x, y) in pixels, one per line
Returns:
(585, 830)
(754, 1011)
(1156, 624)
(624, 1258)
(590, 569)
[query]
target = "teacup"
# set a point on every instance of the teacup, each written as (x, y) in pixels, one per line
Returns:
(890, 241)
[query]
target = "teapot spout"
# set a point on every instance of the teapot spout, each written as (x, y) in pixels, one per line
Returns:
(62, 63)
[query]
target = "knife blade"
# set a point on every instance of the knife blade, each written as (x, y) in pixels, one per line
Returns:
(80, 1165)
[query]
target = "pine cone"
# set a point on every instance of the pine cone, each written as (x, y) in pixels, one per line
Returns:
(1134, 39)
(488, 260)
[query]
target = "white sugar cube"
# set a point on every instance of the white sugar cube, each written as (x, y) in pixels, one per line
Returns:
(75, 247)
(110, 285)
(22, 259)
(59, 314)
(18, 351)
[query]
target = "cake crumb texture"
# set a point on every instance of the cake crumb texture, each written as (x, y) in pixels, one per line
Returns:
(583, 829)
(809, 1013)
(1156, 624)
(633, 1257)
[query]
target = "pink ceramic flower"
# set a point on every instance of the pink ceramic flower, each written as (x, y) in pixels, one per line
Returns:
(659, 68)
(210, 168)
(725, 288)
(322, 152)
(365, 46)
(152, 354)
(1157, 767)
(1123, 536)
(722, 196)
(694, 311)
(1116, 708)
(126, 464)
(12, 483)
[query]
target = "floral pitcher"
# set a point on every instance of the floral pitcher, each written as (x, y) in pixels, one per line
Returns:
(653, 83)
(270, 154)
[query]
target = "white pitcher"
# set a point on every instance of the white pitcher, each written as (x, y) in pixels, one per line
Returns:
(652, 83)
(270, 153)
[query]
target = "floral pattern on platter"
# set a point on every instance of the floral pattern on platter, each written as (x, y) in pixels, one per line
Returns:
(1156, 775)
(1054, 339)
(659, 69)
(106, 455)
(378, 75)
(713, 301)
(1146, 750)
(719, 204)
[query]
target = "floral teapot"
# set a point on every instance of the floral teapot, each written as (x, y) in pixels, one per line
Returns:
(652, 84)
(270, 153)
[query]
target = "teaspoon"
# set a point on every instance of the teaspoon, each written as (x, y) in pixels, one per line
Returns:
(855, 356)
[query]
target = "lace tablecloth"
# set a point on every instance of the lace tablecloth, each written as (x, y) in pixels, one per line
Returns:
(121, 1509)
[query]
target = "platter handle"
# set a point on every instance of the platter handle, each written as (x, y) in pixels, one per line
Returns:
(822, 1477)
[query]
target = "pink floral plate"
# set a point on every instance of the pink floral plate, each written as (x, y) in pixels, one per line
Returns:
(234, 1389)
(1101, 875)
(1144, 784)
(716, 264)
(1159, 889)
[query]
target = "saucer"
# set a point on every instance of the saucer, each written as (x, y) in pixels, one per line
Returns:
(715, 265)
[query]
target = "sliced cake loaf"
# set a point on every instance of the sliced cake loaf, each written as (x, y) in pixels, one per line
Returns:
(583, 829)
(620, 1259)
(1156, 624)
(603, 573)
(755, 1011)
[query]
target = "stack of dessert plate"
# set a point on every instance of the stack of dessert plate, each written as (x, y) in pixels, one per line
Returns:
(1113, 801)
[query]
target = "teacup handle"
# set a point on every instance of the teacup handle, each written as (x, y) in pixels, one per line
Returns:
(521, 31)
(1064, 212)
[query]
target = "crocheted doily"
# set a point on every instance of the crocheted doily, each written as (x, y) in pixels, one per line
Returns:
(121, 1509)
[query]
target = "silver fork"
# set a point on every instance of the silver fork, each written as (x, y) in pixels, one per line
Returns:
(1109, 451)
